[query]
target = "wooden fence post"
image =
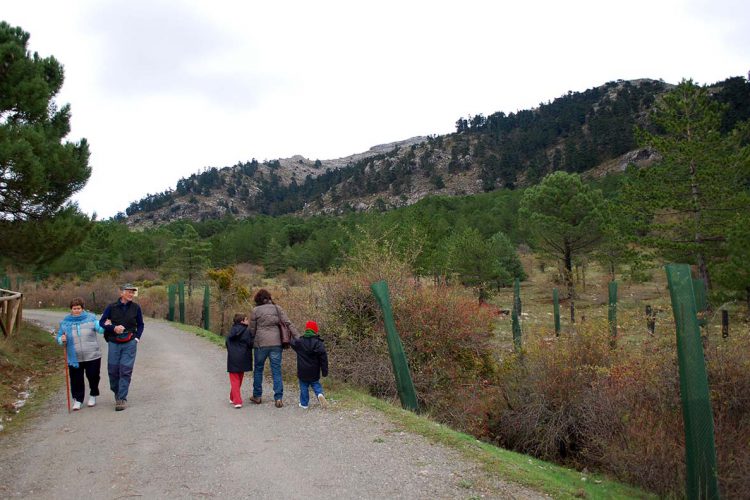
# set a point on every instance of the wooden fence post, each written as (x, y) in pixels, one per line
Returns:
(11, 311)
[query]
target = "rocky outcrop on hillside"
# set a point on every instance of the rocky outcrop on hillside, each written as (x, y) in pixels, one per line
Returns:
(589, 132)
(218, 203)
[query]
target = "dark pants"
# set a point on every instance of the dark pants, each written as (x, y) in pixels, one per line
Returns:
(120, 361)
(91, 369)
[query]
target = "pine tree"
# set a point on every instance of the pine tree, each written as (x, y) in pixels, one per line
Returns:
(188, 256)
(566, 219)
(38, 172)
(734, 273)
(686, 200)
(472, 258)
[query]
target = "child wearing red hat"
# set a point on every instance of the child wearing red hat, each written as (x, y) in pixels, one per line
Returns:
(312, 361)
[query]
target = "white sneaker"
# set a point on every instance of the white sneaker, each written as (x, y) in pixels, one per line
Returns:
(323, 402)
(76, 405)
(238, 405)
(92, 401)
(303, 407)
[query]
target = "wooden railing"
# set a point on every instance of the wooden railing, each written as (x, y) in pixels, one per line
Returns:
(11, 311)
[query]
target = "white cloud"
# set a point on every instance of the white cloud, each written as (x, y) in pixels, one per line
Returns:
(163, 89)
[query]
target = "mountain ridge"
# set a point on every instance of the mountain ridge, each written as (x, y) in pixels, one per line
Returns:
(590, 132)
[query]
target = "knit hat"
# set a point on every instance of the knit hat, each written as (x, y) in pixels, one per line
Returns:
(312, 326)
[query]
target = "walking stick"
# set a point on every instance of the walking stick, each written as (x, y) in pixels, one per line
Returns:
(67, 375)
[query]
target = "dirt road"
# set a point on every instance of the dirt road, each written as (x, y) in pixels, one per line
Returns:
(180, 438)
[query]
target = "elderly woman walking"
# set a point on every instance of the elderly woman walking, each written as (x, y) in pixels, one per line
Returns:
(264, 323)
(78, 332)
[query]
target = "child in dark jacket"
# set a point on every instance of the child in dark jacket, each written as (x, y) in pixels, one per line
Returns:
(239, 356)
(312, 361)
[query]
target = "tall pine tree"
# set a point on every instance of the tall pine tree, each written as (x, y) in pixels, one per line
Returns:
(38, 172)
(566, 218)
(686, 200)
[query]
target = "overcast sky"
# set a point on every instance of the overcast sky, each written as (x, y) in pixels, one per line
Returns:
(162, 89)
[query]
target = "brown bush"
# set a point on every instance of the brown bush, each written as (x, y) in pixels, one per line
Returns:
(729, 380)
(545, 390)
(58, 292)
(576, 401)
(444, 332)
(446, 336)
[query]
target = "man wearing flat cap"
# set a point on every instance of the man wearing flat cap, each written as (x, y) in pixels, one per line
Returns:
(123, 326)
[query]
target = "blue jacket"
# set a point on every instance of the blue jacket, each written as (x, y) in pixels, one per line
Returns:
(80, 333)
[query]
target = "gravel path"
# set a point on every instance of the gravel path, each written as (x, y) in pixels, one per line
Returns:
(180, 438)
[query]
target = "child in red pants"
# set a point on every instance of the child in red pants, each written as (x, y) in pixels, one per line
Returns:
(239, 356)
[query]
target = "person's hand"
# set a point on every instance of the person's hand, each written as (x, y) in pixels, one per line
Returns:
(137, 340)
(119, 329)
(63, 338)
(108, 322)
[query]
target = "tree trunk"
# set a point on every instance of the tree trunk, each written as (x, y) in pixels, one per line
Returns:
(698, 216)
(583, 276)
(572, 311)
(748, 302)
(569, 281)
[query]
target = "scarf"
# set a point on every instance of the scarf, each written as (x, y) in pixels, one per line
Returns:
(73, 324)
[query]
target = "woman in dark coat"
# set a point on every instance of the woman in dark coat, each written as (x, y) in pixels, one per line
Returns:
(239, 356)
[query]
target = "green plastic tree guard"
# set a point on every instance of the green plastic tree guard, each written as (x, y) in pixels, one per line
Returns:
(515, 315)
(206, 308)
(171, 292)
(700, 452)
(406, 392)
(556, 309)
(181, 296)
(612, 312)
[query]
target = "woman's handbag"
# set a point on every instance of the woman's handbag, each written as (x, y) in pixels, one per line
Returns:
(284, 332)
